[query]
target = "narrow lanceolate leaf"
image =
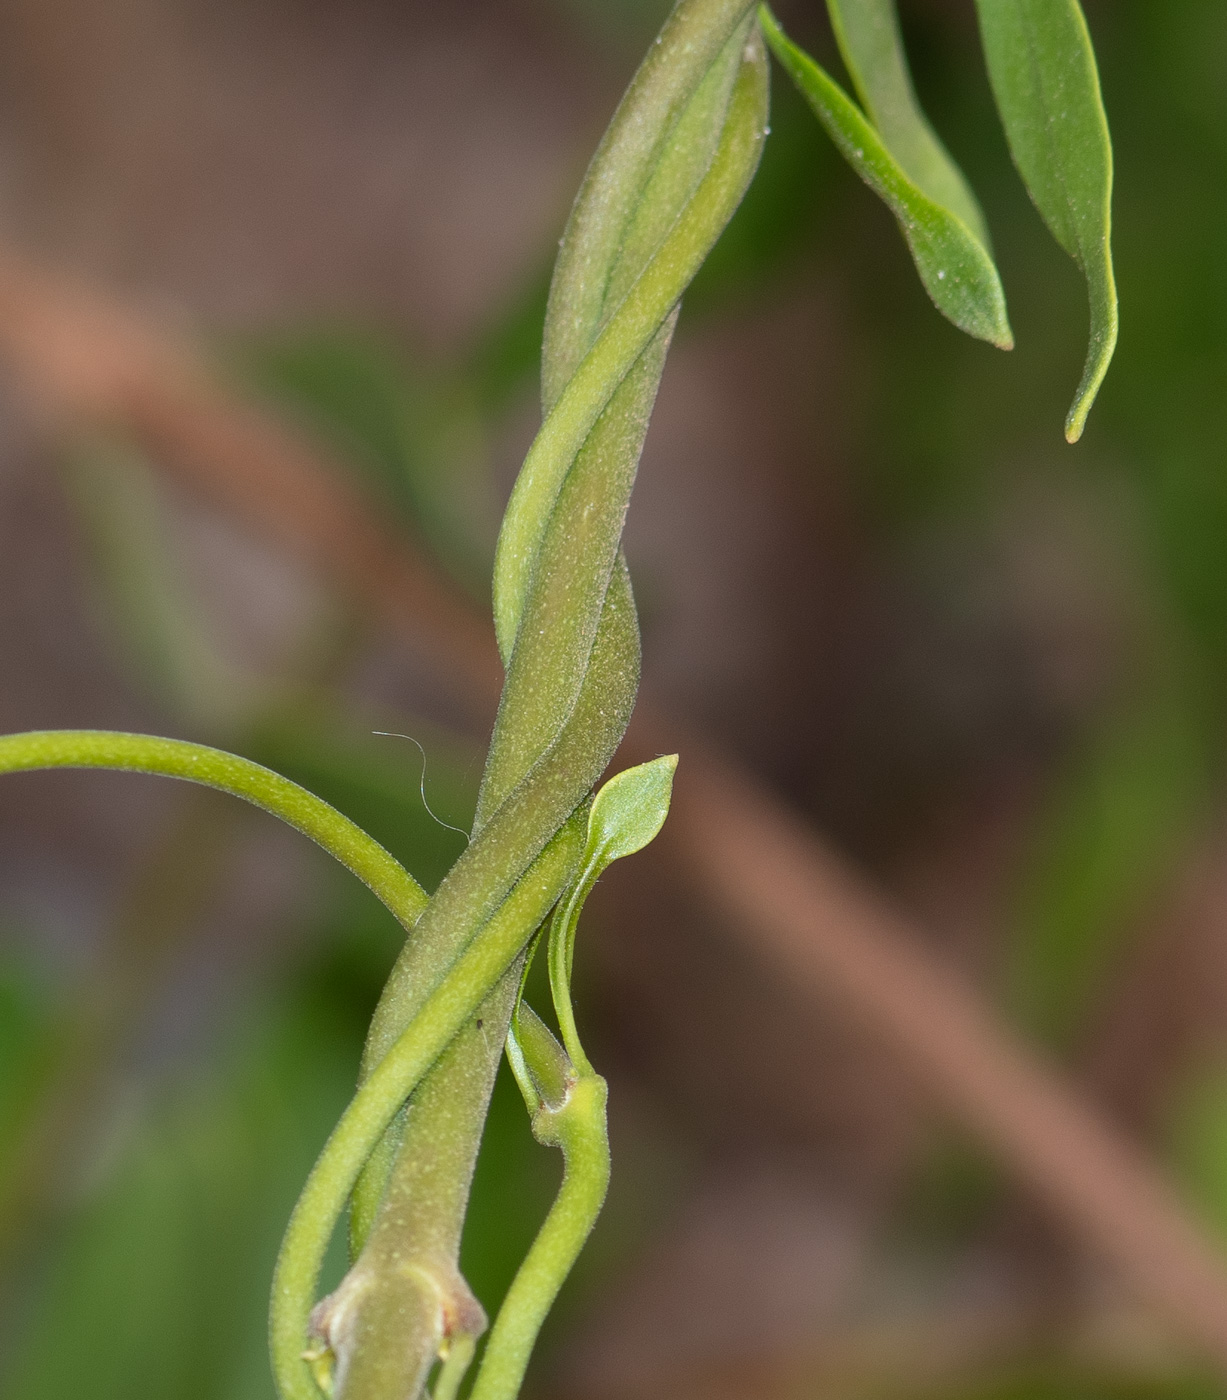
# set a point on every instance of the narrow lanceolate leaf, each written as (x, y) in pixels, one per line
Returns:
(871, 47)
(954, 266)
(1042, 69)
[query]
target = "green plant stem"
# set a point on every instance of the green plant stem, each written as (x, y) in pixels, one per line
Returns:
(454, 1369)
(432, 1030)
(620, 340)
(197, 763)
(509, 841)
(568, 633)
(560, 951)
(445, 1012)
(565, 1097)
(578, 1127)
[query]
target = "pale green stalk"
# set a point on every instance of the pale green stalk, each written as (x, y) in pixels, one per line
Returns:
(577, 1125)
(197, 763)
(566, 1098)
(454, 1004)
(454, 1369)
(569, 635)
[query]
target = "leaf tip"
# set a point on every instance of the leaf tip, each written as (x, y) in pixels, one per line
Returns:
(1105, 326)
(629, 811)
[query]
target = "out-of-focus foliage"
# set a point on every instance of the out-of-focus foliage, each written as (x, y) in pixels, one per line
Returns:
(1109, 842)
(1074, 1382)
(173, 1247)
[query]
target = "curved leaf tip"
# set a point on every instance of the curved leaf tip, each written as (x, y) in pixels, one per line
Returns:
(954, 266)
(1046, 86)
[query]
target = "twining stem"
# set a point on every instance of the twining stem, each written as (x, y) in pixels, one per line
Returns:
(630, 328)
(377, 1102)
(693, 124)
(454, 1369)
(436, 1025)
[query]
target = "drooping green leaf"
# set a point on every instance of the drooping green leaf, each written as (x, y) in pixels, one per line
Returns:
(872, 50)
(629, 811)
(954, 266)
(1042, 69)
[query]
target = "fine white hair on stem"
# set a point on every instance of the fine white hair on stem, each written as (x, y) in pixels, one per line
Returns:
(388, 734)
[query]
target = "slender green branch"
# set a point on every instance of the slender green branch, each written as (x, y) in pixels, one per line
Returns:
(453, 1003)
(566, 1098)
(691, 129)
(455, 1367)
(197, 763)
(561, 942)
(577, 1125)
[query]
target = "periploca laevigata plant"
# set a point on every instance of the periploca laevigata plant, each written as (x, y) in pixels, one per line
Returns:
(668, 175)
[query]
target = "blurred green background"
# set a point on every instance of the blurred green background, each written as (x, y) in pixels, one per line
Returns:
(991, 668)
